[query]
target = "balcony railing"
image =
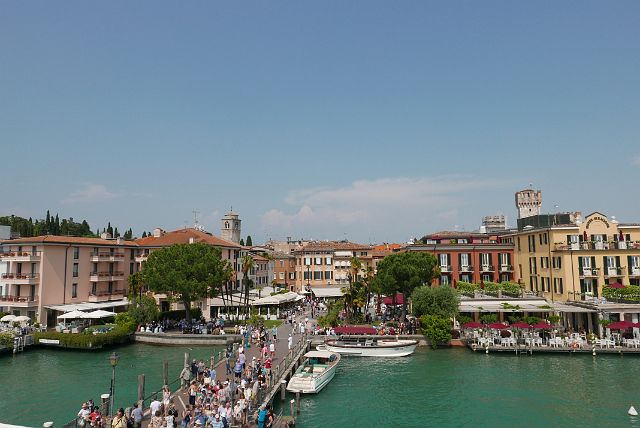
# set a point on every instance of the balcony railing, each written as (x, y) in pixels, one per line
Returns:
(590, 272)
(466, 268)
(20, 275)
(598, 245)
(445, 268)
(486, 268)
(106, 293)
(506, 268)
(105, 276)
(19, 299)
(21, 255)
(613, 271)
(634, 271)
(96, 257)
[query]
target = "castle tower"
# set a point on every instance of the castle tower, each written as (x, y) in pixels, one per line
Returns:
(230, 229)
(528, 202)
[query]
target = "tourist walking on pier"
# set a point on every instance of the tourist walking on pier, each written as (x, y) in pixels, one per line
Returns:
(118, 419)
(185, 377)
(290, 342)
(274, 333)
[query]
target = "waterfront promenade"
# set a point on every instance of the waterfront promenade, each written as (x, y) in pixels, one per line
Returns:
(181, 398)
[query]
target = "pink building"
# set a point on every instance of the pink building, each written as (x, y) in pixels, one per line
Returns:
(46, 271)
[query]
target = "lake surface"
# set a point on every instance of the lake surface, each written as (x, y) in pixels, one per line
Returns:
(459, 388)
(44, 384)
(443, 388)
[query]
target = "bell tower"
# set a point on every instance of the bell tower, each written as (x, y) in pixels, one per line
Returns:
(528, 202)
(230, 227)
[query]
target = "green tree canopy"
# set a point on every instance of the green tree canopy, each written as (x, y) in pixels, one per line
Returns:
(143, 309)
(436, 328)
(188, 272)
(404, 272)
(249, 241)
(442, 301)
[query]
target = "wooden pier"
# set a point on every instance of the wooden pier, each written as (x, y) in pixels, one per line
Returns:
(530, 350)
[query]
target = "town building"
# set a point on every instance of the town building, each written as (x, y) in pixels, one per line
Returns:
(469, 257)
(573, 260)
(47, 271)
(230, 251)
(323, 264)
(528, 202)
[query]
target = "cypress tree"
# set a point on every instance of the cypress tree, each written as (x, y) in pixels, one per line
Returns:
(242, 242)
(249, 241)
(144, 234)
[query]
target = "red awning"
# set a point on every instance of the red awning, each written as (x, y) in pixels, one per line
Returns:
(348, 329)
(497, 326)
(620, 325)
(389, 300)
(617, 285)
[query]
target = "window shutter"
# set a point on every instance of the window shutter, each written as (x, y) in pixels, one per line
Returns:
(449, 259)
(580, 265)
(604, 264)
(593, 262)
(617, 261)
(459, 261)
(629, 265)
(490, 257)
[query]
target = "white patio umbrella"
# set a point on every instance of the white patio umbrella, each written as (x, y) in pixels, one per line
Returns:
(22, 318)
(99, 314)
(8, 318)
(73, 315)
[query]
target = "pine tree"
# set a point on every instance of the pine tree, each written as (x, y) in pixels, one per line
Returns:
(242, 242)
(116, 234)
(109, 229)
(249, 242)
(56, 228)
(144, 234)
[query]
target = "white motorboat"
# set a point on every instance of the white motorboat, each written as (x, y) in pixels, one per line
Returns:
(318, 369)
(370, 347)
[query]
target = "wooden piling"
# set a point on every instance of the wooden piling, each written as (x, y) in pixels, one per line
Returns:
(141, 389)
(298, 401)
(283, 389)
(292, 413)
(165, 372)
(186, 359)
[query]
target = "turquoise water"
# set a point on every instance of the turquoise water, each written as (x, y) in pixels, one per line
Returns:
(443, 388)
(50, 384)
(457, 388)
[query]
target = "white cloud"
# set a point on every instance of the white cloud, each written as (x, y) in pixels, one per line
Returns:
(378, 207)
(90, 193)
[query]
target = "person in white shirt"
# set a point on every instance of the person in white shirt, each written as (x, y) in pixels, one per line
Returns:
(155, 405)
(83, 414)
(290, 342)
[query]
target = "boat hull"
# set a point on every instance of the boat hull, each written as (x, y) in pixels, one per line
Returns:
(315, 373)
(385, 351)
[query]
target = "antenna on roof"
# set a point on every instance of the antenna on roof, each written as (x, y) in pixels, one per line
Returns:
(196, 226)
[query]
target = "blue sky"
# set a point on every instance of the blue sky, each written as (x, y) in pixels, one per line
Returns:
(375, 121)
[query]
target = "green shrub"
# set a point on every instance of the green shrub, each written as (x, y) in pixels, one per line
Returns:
(488, 318)
(631, 293)
(6, 340)
(255, 320)
(272, 323)
(125, 321)
(85, 340)
(436, 328)
(466, 287)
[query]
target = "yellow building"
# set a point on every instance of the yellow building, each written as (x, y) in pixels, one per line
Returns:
(574, 260)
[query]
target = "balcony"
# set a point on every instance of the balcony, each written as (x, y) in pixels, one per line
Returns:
(466, 268)
(21, 256)
(106, 257)
(106, 295)
(613, 272)
(590, 272)
(21, 278)
(141, 258)
(506, 268)
(445, 268)
(106, 276)
(19, 301)
(634, 271)
(486, 268)
(598, 246)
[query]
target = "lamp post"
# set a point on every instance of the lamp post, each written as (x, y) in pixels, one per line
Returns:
(113, 360)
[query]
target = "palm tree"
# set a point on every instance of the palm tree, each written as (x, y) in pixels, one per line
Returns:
(247, 266)
(135, 285)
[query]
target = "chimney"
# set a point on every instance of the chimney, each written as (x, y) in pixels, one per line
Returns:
(105, 235)
(192, 240)
(157, 232)
(119, 240)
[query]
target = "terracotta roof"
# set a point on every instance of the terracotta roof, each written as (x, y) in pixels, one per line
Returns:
(55, 239)
(183, 236)
(387, 247)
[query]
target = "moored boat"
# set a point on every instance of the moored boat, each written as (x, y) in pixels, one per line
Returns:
(316, 371)
(370, 347)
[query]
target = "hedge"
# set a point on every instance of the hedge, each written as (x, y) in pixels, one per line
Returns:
(6, 340)
(116, 336)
